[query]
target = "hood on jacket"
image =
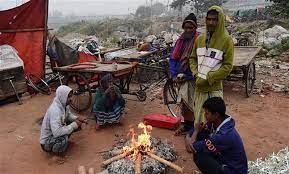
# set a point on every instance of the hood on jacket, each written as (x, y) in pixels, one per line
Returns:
(62, 94)
(220, 29)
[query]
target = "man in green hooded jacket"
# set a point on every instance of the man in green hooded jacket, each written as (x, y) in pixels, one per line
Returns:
(211, 60)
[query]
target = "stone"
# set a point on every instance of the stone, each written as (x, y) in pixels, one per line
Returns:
(273, 53)
(283, 67)
(278, 88)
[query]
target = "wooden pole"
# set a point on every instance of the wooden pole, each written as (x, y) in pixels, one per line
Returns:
(168, 163)
(81, 170)
(107, 162)
(138, 164)
(24, 30)
(117, 152)
(45, 33)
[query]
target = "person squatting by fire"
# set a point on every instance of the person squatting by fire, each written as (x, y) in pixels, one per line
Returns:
(203, 62)
(59, 123)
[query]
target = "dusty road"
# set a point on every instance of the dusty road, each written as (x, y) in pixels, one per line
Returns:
(262, 122)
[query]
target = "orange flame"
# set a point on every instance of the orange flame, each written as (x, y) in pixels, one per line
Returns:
(142, 143)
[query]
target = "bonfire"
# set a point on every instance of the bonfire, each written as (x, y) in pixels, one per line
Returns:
(138, 148)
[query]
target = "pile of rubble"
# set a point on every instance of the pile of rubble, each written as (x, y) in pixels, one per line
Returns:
(272, 37)
(89, 45)
(71, 36)
(272, 75)
(275, 163)
(162, 39)
(149, 166)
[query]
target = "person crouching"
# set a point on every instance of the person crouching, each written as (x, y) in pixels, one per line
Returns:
(59, 123)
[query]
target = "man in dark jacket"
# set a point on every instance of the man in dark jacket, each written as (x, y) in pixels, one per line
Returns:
(217, 147)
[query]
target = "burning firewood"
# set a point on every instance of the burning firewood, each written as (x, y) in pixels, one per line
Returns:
(115, 158)
(168, 163)
(138, 164)
(117, 152)
(139, 148)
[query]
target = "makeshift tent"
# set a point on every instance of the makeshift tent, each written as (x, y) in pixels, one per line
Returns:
(63, 54)
(25, 29)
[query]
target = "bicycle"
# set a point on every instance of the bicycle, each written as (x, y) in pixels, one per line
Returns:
(171, 87)
(36, 84)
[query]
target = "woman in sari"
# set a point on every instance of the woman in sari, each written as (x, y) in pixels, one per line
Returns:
(109, 103)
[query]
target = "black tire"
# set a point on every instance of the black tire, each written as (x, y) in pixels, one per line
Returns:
(82, 96)
(170, 94)
(141, 95)
(38, 84)
(250, 79)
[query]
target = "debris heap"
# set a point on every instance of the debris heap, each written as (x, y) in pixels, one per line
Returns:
(274, 164)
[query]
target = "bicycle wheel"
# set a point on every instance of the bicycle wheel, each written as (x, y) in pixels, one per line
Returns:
(250, 77)
(38, 84)
(54, 81)
(170, 94)
(82, 96)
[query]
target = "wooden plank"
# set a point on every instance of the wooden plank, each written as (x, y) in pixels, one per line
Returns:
(138, 55)
(244, 55)
(21, 87)
(104, 51)
(101, 68)
(24, 30)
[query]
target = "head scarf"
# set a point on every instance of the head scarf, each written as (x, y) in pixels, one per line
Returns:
(59, 103)
(62, 94)
(104, 81)
(108, 101)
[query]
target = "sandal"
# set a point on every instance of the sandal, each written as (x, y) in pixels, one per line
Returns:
(182, 130)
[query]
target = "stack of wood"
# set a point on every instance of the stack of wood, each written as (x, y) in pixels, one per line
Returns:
(140, 152)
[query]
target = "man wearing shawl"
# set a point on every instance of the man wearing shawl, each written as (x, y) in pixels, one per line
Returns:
(181, 73)
(211, 60)
(59, 123)
(109, 103)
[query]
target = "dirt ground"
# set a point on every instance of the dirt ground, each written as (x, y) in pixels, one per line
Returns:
(263, 124)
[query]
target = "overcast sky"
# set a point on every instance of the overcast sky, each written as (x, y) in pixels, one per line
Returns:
(88, 7)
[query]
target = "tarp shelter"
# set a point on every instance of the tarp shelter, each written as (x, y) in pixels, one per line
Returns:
(64, 55)
(25, 29)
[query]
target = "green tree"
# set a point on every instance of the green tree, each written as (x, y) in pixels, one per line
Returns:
(158, 8)
(279, 8)
(201, 6)
(179, 4)
(145, 11)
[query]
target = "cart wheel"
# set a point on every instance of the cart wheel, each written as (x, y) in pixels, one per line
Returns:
(82, 96)
(250, 79)
(38, 84)
(170, 94)
(141, 95)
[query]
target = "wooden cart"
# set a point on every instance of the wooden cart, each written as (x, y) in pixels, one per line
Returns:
(84, 78)
(12, 82)
(244, 60)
